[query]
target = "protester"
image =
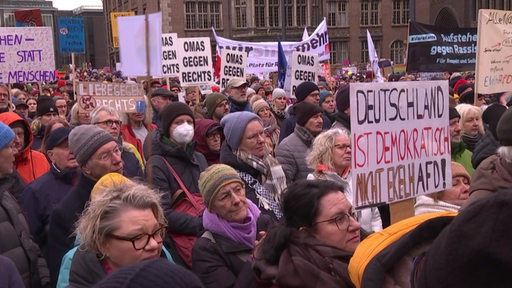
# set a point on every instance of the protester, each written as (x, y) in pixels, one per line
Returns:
(79, 117)
(270, 125)
(32, 107)
(136, 127)
(313, 244)
(217, 106)
(159, 98)
(21, 109)
(52, 125)
(5, 98)
(342, 116)
(488, 144)
(236, 90)
(46, 111)
(459, 153)
(279, 104)
(471, 124)
(327, 104)
(209, 137)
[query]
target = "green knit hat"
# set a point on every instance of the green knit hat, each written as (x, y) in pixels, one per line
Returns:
(214, 178)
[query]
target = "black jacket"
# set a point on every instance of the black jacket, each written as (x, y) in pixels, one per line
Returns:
(485, 147)
(62, 223)
(15, 240)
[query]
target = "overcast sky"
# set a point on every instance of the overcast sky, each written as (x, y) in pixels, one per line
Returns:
(72, 4)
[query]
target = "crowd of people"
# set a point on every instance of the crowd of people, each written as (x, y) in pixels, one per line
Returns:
(97, 197)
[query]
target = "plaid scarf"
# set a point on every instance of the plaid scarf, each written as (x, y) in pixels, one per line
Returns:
(266, 199)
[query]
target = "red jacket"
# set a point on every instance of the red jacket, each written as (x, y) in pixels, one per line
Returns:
(129, 136)
(29, 163)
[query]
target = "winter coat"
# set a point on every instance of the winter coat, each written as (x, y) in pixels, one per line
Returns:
(62, 222)
(494, 173)
(487, 146)
(200, 129)
(462, 156)
(425, 204)
(188, 164)
(41, 196)
(292, 152)
(29, 163)
(16, 242)
(341, 121)
(132, 167)
(9, 276)
(129, 136)
(229, 158)
(288, 124)
(221, 262)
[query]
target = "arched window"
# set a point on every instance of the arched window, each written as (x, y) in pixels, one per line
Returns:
(397, 52)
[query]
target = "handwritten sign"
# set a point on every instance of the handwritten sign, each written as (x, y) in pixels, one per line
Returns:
(170, 64)
(304, 67)
(400, 140)
(195, 59)
(113, 23)
(71, 35)
(233, 65)
(120, 96)
(494, 57)
(26, 54)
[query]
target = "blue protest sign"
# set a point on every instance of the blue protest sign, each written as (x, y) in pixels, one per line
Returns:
(71, 35)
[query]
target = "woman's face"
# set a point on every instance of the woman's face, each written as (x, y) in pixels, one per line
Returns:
(32, 105)
(328, 104)
(280, 103)
(6, 159)
(253, 140)
(214, 141)
(341, 153)
(84, 117)
(264, 113)
(471, 125)
(133, 224)
(459, 192)
(230, 203)
(342, 234)
(180, 120)
(136, 117)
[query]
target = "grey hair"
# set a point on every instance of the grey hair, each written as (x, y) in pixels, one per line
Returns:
(321, 150)
(101, 216)
(505, 152)
(94, 113)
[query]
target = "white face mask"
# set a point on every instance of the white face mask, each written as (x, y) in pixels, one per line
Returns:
(183, 133)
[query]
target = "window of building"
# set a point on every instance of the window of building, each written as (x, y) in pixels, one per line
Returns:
(241, 13)
(339, 51)
(288, 4)
(400, 12)
(301, 16)
(365, 58)
(9, 20)
(337, 14)
(370, 13)
(397, 52)
(259, 13)
(273, 13)
(267, 13)
(47, 20)
(202, 14)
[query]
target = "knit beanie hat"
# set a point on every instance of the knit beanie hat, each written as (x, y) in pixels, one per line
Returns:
(343, 98)
(45, 105)
(234, 126)
(453, 113)
(250, 92)
(323, 95)
(504, 128)
(492, 115)
(278, 92)
(304, 111)
(6, 135)
(170, 112)
(161, 92)
(323, 84)
(459, 170)
(214, 178)
(258, 105)
(304, 89)
(211, 101)
(85, 140)
(109, 180)
(157, 273)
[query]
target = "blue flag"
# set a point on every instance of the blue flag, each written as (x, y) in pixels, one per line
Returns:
(282, 65)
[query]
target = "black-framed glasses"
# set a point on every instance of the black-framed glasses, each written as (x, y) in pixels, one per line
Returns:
(140, 241)
(342, 220)
(110, 122)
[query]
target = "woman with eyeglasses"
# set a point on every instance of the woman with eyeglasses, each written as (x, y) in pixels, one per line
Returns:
(123, 225)
(331, 158)
(221, 256)
(313, 244)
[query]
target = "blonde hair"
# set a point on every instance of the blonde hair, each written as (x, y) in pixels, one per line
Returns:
(467, 111)
(322, 148)
(101, 216)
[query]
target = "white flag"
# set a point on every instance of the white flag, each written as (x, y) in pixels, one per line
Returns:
(374, 59)
(305, 35)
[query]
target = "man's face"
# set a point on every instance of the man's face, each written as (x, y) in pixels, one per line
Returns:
(455, 130)
(159, 102)
(4, 97)
(109, 123)
(62, 156)
(313, 97)
(106, 159)
(221, 110)
(314, 124)
(238, 93)
(19, 139)
(46, 118)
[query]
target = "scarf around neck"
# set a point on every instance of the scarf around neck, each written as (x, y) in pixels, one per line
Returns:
(244, 233)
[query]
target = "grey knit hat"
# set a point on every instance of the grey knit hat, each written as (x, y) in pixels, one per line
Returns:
(234, 126)
(85, 140)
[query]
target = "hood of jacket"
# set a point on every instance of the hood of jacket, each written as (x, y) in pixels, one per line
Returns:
(9, 118)
(200, 129)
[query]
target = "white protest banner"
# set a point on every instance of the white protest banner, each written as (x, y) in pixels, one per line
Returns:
(170, 64)
(233, 65)
(262, 56)
(304, 67)
(123, 97)
(195, 59)
(26, 54)
(132, 44)
(494, 52)
(400, 140)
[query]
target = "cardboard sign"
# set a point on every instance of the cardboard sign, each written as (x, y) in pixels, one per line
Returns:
(26, 54)
(113, 24)
(400, 140)
(170, 64)
(233, 65)
(195, 58)
(71, 35)
(120, 96)
(494, 57)
(304, 67)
